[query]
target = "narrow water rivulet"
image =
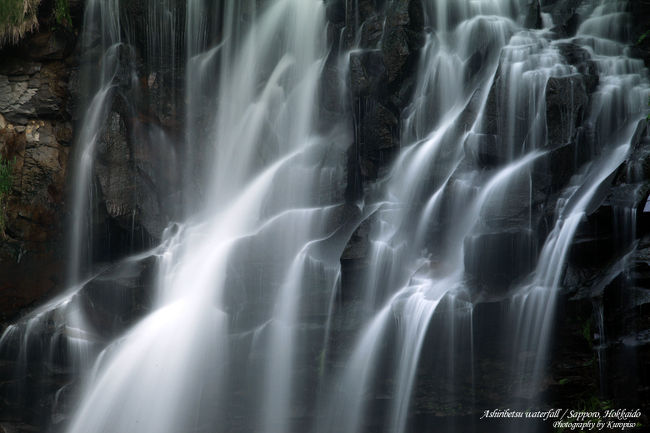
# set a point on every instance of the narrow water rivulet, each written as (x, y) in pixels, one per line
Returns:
(344, 217)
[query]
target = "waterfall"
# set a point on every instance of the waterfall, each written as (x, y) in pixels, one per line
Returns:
(277, 275)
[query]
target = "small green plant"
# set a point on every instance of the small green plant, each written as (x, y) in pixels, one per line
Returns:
(12, 12)
(6, 182)
(62, 13)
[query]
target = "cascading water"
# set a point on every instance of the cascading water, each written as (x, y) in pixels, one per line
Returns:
(247, 323)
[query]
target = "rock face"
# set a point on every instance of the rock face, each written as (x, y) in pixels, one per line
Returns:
(138, 155)
(36, 132)
(381, 79)
(566, 103)
(134, 170)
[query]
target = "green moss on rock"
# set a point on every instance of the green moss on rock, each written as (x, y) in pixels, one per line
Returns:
(62, 13)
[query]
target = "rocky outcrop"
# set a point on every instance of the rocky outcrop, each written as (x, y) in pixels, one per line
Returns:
(607, 298)
(564, 15)
(381, 79)
(566, 103)
(566, 141)
(580, 58)
(36, 132)
(136, 174)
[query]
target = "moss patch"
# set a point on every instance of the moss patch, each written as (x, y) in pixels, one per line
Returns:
(62, 13)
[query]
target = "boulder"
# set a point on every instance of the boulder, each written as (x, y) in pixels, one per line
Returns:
(119, 296)
(128, 190)
(580, 58)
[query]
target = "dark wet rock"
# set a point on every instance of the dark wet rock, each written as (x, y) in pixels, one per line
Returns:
(484, 150)
(494, 261)
(126, 177)
(381, 83)
(568, 28)
(635, 174)
(564, 15)
(553, 170)
(118, 296)
(637, 164)
(331, 88)
(38, 380)
(640, 13)
(490, 124)
(335, 10)
(396, 51)
(402, 37)
(49, 45)
(625, 347)
(566, 103)
(18, 428)
(534, 16)
(367, 70)
(581, 59)
(380, 128)
(596, 244)
(371, 32)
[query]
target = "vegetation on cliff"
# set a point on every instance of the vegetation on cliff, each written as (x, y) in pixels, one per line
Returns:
(62, 13)
(17, 17)
(20, 17)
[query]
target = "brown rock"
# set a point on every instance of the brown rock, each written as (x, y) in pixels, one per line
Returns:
(29, 264)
